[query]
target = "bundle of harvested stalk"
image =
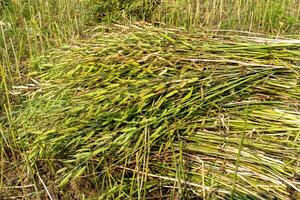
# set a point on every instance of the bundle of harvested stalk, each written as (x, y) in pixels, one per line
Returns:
(143, 112)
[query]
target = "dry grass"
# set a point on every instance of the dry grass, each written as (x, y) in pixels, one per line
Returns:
(148, 112)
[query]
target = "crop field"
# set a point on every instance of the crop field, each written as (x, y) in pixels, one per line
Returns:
(149, 99)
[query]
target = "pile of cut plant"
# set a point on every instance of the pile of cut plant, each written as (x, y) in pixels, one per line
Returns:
(146, 113)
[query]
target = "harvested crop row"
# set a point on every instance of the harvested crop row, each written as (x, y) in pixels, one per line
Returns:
(146, 112)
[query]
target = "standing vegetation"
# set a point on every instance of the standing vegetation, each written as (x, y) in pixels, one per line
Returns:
(269, 16)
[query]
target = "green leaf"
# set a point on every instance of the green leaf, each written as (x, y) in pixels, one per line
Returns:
(126, 130)
(66, 180)
(172, 93)
(187, 96)
(79, 172)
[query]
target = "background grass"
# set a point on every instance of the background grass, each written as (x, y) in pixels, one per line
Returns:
(28, 28)
(269, 16)
(31, 27)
